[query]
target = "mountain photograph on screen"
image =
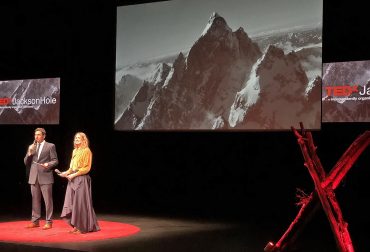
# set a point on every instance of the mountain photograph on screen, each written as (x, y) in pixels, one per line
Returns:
(346, 91)
(211, 65)
(30, 101)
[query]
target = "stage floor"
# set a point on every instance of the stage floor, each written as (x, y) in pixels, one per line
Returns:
(170, 234)
(157, 234)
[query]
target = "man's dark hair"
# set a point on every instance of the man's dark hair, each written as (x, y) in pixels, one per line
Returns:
(43, 131)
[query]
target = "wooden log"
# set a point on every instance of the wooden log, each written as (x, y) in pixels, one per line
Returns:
(308, 209)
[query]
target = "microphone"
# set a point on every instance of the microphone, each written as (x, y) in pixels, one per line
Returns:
(32, 148)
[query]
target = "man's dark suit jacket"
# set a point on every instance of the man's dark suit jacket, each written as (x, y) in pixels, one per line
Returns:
(37, 172)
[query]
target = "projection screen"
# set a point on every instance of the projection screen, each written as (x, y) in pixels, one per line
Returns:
(30, 101)
(216, 65)
(346, 91)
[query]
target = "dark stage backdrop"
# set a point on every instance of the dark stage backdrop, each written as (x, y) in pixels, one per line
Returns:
(235, 175)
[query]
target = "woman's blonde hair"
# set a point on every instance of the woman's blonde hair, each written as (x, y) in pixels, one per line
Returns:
(84, 140)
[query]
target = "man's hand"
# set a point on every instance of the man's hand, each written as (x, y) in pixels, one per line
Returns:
(45, 165)
(31, 150)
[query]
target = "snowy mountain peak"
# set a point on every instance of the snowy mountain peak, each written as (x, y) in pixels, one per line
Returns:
(273, 51)
(241, 31)
(216, 25)
(180, 60)
(159, 74)
(213, 16)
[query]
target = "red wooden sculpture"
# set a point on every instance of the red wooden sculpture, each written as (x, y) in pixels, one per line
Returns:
(324, 193)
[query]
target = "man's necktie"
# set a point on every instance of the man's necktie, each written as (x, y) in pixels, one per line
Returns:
(37, 150)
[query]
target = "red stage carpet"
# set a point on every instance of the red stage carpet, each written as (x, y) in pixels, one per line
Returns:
(16, 232)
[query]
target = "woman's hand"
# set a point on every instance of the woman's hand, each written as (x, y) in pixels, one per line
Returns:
(71, 176)
(63, 174)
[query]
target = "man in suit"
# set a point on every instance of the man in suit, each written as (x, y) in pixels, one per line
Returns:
(41, 158)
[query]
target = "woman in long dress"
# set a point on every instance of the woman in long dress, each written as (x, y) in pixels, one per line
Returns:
(78, 205)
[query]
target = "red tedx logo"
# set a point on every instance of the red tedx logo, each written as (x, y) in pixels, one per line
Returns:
(341, 90)
(5, 101)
